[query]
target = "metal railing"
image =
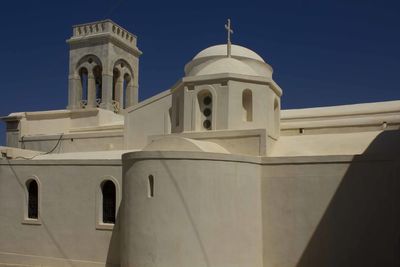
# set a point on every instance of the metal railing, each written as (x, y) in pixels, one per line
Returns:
(83, 103)
(116, 106)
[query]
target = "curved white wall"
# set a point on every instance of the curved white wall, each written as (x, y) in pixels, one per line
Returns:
(194, 198)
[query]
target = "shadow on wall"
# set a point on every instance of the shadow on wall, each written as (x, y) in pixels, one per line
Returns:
(113, 254)
(361, 226)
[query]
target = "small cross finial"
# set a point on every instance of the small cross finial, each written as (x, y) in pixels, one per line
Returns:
(230, 31)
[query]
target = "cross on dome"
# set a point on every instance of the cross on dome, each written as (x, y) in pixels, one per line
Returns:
(230, 31)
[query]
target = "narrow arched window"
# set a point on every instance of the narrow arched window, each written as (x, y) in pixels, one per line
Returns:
(116, 75)
(247, 103)
(33, 199)
(117, 90)
(151, 186)
(97, 73)
(109, 201)
(83, 74)
(127, 81)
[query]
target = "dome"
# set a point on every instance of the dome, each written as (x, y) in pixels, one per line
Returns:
(224, 65)
(236, 50)
(176, 143)
(214, 60)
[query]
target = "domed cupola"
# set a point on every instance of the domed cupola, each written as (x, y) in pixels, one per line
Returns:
(226, 87)
(214, 60)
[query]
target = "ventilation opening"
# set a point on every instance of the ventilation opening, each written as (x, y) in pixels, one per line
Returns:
(151, 186)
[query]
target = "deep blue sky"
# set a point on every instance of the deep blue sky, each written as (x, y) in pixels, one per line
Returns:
(322, 52)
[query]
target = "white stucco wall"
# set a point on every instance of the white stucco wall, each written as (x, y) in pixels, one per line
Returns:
(203, 213)
(150, 117)
(210, 209)
(68, 213)
(315, 210)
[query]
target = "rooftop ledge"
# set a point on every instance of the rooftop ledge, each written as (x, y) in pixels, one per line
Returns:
(102, 27)
(228, 76)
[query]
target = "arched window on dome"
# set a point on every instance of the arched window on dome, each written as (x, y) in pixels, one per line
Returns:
(205, 101)
(33, 199)
(247, 105)
(108, 201)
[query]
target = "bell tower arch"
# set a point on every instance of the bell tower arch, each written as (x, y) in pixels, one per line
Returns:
(103, 67)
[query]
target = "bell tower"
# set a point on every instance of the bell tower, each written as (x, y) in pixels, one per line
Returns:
(103, 67)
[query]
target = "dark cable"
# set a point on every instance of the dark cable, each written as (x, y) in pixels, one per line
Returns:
(58, 142)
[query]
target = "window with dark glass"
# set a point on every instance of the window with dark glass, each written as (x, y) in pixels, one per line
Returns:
(33, 200)
(109, 202)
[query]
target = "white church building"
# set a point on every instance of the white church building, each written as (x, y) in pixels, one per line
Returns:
(210, 172)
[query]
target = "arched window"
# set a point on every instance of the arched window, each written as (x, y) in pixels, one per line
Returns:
(206, 109)
(127, 80)
(247, 103)
(97, 73)
(115, 79)
(124, 92)
(109, 201)
(83, 74)
(88, 89)
(33, 199)
(116, 92)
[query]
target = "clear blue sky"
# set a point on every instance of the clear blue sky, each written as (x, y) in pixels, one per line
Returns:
(323, 52)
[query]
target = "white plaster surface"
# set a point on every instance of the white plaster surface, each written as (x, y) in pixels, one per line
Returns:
(323, 145)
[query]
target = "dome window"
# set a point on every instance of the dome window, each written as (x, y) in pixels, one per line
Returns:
(247, 103)
(205, 106)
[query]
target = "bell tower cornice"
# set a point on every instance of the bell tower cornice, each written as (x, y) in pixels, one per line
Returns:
(104, 31)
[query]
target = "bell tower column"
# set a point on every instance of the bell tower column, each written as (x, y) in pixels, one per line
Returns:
(107, 91)
(131, 94)
(91, 91)
(119, 92)
(135, 93)
(73, 95)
